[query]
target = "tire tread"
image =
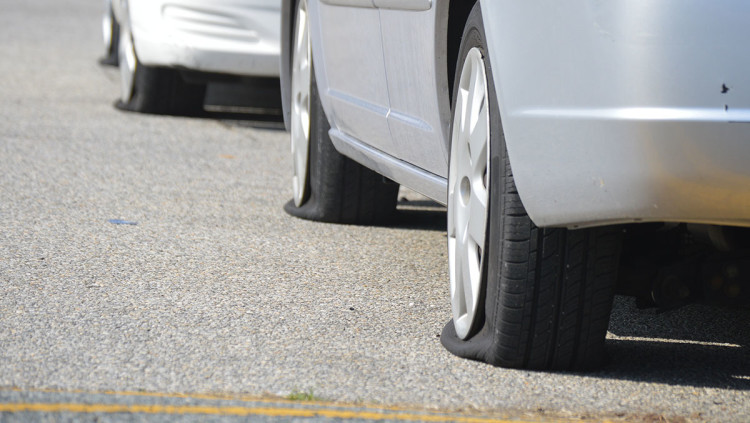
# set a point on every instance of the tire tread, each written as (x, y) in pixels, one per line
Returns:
(158, 90)
(556, 290)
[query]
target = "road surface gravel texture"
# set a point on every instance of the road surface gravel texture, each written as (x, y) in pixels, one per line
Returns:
(213, 289)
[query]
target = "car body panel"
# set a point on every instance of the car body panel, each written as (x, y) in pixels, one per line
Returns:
(361, 116)
(356, 90)
(613, 111)
(405, 173)
(414, 88)
(218, 36)
(625, 110)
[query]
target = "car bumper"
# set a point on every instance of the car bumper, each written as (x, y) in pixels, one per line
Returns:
(218, 36)
(625, 110)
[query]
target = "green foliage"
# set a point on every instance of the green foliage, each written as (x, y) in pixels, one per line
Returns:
(308, 395)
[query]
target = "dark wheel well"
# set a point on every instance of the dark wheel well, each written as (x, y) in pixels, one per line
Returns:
(458, 13)
(288, 9)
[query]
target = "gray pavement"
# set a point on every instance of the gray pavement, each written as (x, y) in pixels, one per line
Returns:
(216, 290)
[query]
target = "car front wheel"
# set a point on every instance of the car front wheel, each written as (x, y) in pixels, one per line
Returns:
(521, 296)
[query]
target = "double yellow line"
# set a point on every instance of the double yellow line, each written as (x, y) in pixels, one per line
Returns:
(256, 406)
(237, 411)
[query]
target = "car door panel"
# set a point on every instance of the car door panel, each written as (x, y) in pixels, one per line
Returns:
(353, 86)
(418, 120)
(420, 5)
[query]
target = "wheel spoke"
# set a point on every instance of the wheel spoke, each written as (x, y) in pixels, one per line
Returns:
(477, 224)
(463, 103)
(466, 276)
(301, 156)
(462, 146)
(452, 217)
(304, 83)
(452, 264)
(296, 81)
(301, 28)
(295, 129)
(479, 136)
(472, 89)
(478, 92)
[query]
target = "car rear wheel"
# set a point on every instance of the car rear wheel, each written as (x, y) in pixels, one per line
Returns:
(157, 90)
(327, 186)
(521, 296)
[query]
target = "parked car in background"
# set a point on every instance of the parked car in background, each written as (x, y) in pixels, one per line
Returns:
(551, 130)
(167, 51)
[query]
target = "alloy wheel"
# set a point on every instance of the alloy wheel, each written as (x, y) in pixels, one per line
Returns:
(107, 23)
(127, 58)
(468, 192)
(301, 79)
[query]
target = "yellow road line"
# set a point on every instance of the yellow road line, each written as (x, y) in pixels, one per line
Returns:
(237, 411)
(381, 411)
(207, 396)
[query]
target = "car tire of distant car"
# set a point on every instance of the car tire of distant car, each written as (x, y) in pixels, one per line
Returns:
(156, 90)
(521, 296)
(327, 186)
(111, 34)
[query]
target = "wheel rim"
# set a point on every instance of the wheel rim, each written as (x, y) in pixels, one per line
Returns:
(301, 78)
(127, 59)
(468, 192)
(107, 20)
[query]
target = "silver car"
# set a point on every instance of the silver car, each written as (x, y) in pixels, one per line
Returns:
(551, 130)
(169, 50)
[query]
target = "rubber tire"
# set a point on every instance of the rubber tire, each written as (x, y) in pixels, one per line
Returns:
(340, 189)
(162, 91)
(111, 57)
(547, 292)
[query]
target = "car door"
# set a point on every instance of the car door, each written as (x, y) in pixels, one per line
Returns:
(418, 94)
(352, 79)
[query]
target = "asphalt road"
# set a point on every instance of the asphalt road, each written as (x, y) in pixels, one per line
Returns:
(215, 290)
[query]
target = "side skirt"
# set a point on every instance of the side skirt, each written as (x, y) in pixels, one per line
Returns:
(429, 184)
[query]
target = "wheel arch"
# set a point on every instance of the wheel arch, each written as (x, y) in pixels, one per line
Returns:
(451, 18)
(458, 13)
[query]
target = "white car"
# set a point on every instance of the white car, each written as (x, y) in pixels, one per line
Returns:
(167, 50)
(541, 124)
